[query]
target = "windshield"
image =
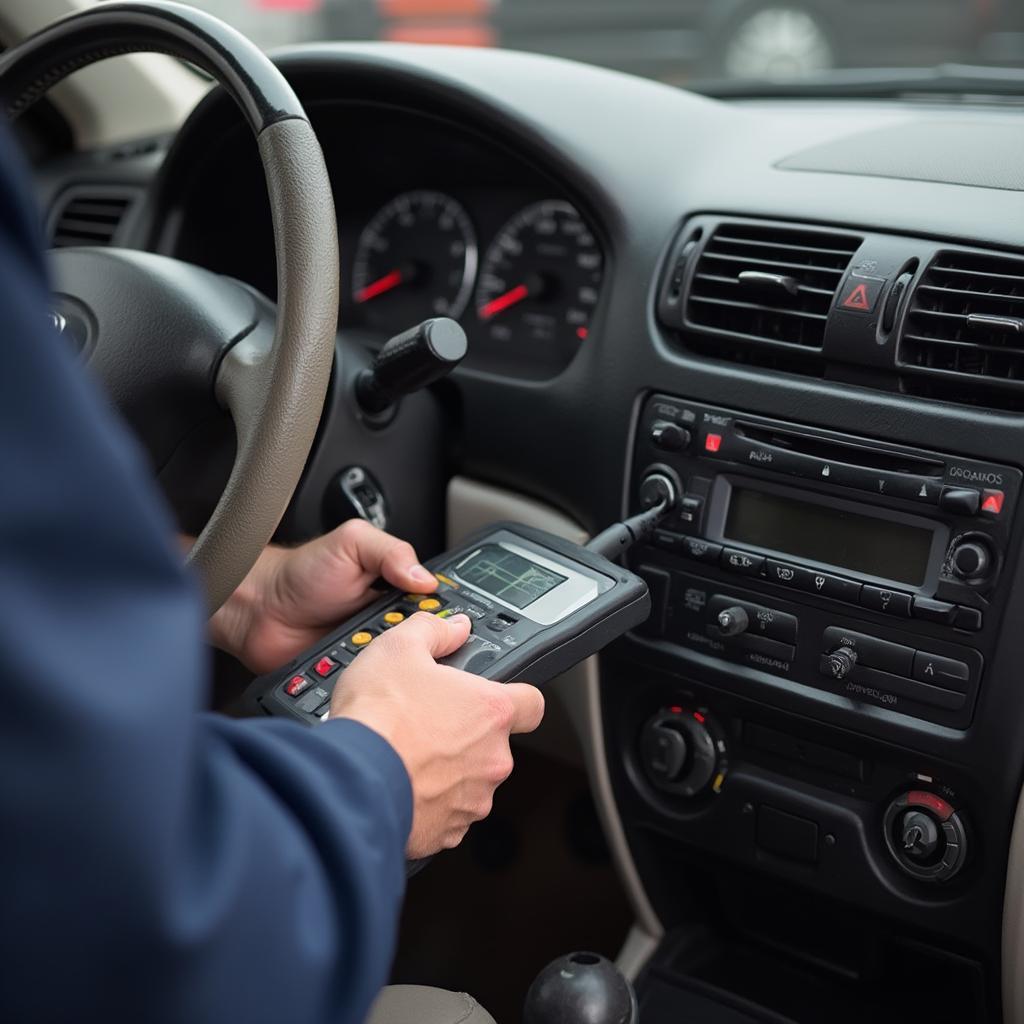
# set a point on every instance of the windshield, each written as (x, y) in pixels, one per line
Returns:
(684, 42)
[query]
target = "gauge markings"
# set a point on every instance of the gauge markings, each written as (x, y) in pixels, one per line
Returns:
(541, 277)
(416, 258)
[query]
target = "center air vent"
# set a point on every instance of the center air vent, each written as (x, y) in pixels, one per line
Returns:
(766, 288)
(964, 334)
(89, 216)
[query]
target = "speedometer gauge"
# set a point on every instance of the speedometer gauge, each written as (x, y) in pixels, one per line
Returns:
(415, 259)
(540, 278)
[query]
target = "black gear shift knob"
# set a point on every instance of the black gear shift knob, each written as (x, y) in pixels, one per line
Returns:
(581, 988)
(410, 361)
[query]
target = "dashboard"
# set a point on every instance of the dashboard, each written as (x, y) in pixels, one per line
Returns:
(808, 314)
(436, 221)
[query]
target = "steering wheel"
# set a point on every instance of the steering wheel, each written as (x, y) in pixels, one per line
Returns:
(171, 341)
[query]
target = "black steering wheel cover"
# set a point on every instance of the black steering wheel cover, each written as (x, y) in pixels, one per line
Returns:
(157, 26)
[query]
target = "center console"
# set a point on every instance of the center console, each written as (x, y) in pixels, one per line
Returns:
(826, 614)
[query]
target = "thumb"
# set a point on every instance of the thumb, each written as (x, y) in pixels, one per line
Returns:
(439, 637)
(528, 706)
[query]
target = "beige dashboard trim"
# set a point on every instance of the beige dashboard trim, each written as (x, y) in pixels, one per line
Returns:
(1013, 924)
(472, 505)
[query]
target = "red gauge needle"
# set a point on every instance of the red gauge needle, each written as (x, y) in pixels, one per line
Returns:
(502, 302)
(380, 286)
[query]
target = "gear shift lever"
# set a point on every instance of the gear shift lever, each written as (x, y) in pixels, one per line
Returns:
(581, 988)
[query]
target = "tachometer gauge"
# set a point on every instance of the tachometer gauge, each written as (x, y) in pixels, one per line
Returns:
(540, 278)
(415, 259)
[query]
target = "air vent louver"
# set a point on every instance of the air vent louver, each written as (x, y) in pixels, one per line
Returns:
(767, 286)
(963, 339)
(89, 216)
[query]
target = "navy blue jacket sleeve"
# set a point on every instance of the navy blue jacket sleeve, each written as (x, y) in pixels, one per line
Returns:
(157, 863)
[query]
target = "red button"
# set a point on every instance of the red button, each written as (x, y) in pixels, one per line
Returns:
(325, 666)
(296, 685)
(712, 442)
(938, 806)
(992, 502)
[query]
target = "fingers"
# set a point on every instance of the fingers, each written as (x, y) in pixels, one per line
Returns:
(527, 706)
(380, 554)
(439, 637)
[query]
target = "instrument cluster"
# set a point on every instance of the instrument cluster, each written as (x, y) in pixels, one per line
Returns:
(526, 299)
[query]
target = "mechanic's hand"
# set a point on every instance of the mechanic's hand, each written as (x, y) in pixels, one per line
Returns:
(291, 597)
(449, 727)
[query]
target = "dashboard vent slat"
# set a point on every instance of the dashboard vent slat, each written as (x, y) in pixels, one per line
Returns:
(963, 339)
(766, 289)
(90, 215)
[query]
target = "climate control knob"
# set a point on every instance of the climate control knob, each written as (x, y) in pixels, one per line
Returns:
(839, 663)
(926, 836)
(971, 560)
(732, 621)
(683, 752)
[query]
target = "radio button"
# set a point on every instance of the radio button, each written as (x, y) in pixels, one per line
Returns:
(836, 587)
(892, 602)
(930, 610)
(701, 550)
(939, 671)
(872, 652)
(742, 561)
(968, 618)
(961, 501)
(915, 488)
(766, 648)
(783, 573)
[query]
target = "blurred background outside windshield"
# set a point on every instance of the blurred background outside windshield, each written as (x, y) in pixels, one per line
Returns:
(676, 41)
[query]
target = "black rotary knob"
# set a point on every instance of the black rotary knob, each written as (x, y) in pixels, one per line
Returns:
(683, 752)
(732, 621)
(926, 836)
(840, 662)
(971, 560)
(919, 836)
(670, 436)
(659, 486)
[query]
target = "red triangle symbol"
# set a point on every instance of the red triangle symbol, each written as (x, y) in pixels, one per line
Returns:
(858, 298)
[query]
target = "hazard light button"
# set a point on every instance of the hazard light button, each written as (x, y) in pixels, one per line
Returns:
(992, 502)
(861, 294)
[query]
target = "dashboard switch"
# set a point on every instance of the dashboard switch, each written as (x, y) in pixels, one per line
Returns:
(961, 501)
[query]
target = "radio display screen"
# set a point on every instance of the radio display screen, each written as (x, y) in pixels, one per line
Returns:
(817, 533)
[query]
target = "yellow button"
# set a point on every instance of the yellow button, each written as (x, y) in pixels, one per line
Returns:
(361, 638)
(393, 618)
(415, 597)
(429, 604)
(447, 613)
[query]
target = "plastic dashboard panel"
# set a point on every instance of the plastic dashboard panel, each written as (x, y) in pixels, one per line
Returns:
(655, 157)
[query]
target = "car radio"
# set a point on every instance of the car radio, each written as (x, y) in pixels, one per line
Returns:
(860, 567)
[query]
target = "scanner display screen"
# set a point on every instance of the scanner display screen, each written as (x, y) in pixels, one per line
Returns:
(816, 533)
(510, 577)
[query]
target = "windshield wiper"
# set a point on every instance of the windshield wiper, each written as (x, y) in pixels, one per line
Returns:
(962, 81)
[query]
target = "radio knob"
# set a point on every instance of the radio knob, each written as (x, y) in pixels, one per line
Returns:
(670, 436)
(841, 661)
(733, 621)
(971, 561)
(660, 486)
